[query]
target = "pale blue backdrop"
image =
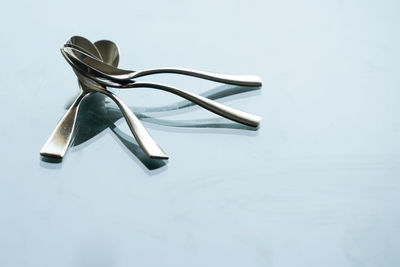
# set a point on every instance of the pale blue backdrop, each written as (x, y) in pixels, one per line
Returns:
(317, 185)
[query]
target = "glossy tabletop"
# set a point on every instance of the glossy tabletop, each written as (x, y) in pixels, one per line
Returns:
(316, 185)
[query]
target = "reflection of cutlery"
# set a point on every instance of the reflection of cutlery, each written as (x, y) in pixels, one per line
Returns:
(214, 94)
(96, 115)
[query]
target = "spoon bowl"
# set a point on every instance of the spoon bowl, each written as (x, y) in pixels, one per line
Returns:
(109, 52)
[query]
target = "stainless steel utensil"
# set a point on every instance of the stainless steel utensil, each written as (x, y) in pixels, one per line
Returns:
(61, 137)
(109, 52)
(96, 68)
(220, 109)
(144, 139)
(121, 75)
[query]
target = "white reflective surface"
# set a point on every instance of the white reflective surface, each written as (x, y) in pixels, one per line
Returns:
(317, 185)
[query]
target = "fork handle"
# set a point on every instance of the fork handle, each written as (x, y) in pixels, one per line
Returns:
(243, 80)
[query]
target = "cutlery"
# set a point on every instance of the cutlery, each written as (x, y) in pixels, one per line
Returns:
(61, 137)
(220, 109)
(120, 75)
(96, 68)
(140, 133)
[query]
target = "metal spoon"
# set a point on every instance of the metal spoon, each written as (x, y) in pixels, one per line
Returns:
(140, 133)
(121, 75)
(109, 52)
(213, 106)
(60, 139)
(81, 43)
(144, 139)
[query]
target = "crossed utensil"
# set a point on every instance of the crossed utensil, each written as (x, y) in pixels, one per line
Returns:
(96, 68)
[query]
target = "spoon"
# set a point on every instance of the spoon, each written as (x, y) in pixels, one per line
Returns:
(85, 45)
(220, 109)
(60, 139)
(142, 136)
(121, 75)
(140, 133)
(109, 52)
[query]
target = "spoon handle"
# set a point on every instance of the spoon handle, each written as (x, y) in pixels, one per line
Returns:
(243, 80)
(114, 73)
(213, 106)
(61, 137)
(140, 133)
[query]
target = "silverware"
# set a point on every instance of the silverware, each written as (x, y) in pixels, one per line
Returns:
(109, 52)
(121, 75)
(142, 136)
(140, 133)
(61, 137)
(96, 68)
(213, 106)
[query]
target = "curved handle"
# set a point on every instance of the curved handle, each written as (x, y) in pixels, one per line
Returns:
(243, 80)
(60, 139)
(140, 133)
(111, 72)
(213, 106)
